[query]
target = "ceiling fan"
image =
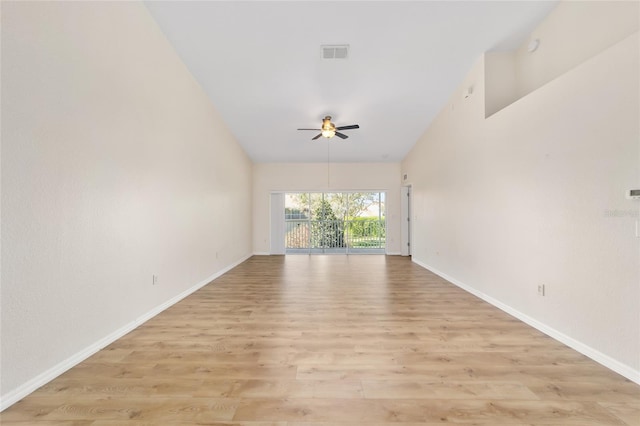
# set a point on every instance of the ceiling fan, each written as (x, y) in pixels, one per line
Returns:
(329, 130)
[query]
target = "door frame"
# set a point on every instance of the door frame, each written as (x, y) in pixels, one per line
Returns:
(405, 225)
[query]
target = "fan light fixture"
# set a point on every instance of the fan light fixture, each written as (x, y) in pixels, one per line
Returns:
(328, 128)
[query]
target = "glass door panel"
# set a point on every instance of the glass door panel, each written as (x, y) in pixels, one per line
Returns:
(335, 222)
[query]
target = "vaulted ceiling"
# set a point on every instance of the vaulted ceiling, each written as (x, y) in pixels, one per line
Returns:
(260, 63)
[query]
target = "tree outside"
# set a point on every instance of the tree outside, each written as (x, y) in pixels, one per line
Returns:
(327, 231)
(345, 205)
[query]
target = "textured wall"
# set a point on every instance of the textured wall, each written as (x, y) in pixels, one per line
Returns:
(115, 167)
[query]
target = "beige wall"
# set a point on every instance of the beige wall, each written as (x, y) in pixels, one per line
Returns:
(500, 81)
(535, 195)
(115, 167)
(273, 177)
(574, 32)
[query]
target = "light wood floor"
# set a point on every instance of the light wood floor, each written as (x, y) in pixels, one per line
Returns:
(333, 340)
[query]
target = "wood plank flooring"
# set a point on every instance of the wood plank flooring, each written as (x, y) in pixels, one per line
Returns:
(333, 341)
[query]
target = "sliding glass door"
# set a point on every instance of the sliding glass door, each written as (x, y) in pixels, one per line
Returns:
(335, 222)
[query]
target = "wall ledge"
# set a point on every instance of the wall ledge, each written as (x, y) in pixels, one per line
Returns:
(515, 98)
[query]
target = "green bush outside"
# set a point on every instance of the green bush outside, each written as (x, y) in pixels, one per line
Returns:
(366, 227)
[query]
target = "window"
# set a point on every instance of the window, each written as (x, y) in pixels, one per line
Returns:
(335, 222)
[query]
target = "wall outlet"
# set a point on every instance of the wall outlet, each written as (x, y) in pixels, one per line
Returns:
(155, 280)
(541, 290)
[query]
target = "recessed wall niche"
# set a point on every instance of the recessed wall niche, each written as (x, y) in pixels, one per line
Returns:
(573, 33)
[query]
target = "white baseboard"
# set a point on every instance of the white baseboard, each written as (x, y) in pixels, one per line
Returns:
(393, 253)
(261, 253)
(42, 379)
(599, 357)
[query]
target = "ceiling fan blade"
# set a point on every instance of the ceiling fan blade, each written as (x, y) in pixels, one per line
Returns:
(352, 126)
(310, 129)
(313, 139)
(341, 135)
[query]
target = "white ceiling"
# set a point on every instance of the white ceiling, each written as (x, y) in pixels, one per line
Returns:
(260, 64)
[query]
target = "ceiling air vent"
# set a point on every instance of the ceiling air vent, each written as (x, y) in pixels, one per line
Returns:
(334, 51)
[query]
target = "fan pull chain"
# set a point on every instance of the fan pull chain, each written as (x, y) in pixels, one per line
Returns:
(328, 167)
